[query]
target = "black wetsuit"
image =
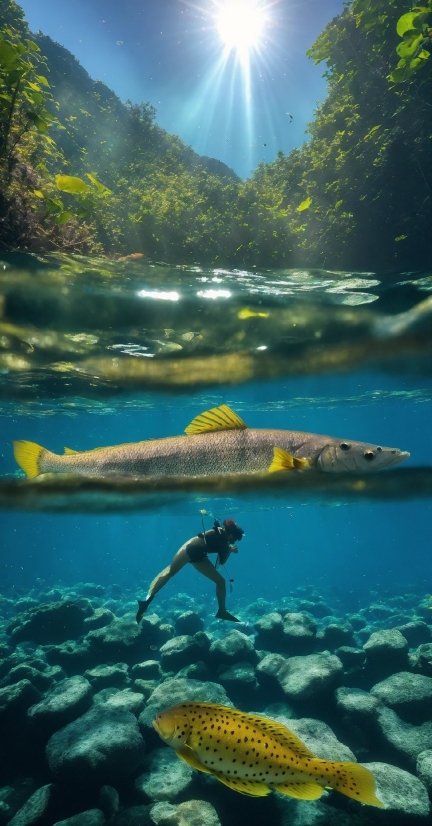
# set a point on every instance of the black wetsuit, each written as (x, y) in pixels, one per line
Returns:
(214, 541)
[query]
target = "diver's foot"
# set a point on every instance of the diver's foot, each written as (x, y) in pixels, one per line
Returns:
(142, 608)
(225, 615)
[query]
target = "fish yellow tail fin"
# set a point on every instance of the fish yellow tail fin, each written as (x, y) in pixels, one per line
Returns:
(27, 454)
(352, 780)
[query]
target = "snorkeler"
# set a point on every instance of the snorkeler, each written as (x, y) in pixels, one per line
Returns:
(219, 540)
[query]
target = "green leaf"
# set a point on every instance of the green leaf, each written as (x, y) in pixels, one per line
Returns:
(64, 217)
(34, 86)
(38, 193)
(32, 46)
(69, 183)
(304, 205)
(103, 190)
(42, 80)
(410, 43)
(406, 23)
(39, 122)
(371, 132)
(54, 205)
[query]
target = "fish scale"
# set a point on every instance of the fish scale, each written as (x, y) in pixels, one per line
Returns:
(254, 755)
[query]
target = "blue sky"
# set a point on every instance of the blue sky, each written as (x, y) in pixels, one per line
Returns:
(170, 53)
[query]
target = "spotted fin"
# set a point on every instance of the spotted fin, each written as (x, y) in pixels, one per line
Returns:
(284, 736)
(27, 455)
(248, 787)
(218, 418)
(351, 779)
(188, 756)
(303, 791)
(68, 451)
(282, 460)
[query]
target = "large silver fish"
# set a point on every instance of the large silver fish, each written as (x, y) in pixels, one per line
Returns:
(217, 441)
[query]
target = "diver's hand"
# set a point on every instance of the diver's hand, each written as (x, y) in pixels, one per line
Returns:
(233, 549)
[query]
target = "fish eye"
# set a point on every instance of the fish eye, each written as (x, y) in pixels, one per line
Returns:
(344, 446)
(379, 448)
(369, 455)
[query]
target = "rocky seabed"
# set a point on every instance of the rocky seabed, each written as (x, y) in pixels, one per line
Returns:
(81, 682)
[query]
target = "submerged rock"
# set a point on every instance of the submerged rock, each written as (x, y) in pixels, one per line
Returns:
(133, 816)
(424, 768)
(166, 776)
(147, 670)
(422, 660)
(185, 650)
(234, 647)
(100, 618)
(415, 633)
(123, 640)
(102, 746)
(408, 740)
(53, 623)
(36, 808)
(399, 791)
(386, 652)
(188, 623)
(320, 739)
(65, 702)
(92, 817)
(176, 691)
(303, 678)
(410, 695)
(191, 813)
(108, 676)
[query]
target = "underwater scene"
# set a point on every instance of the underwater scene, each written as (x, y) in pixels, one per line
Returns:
(215, 413)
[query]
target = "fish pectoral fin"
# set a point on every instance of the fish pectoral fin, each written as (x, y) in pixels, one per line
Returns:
(27, 455)
(248, 787)
(69, 450)
(188, 756)
(282, 460)
(303, 791)
(218, 418)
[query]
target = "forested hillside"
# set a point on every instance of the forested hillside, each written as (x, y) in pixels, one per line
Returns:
(80, 170)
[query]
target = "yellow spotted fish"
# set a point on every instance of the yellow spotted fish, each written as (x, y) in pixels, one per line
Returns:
(254, 755)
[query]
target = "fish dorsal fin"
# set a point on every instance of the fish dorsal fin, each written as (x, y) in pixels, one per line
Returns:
(218, 418)
(68, 451)
(248, 787)
(303, 791)
(284, 736)
(188, 756)
(282, 460)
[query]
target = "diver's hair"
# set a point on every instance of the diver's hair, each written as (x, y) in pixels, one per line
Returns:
(232, 528)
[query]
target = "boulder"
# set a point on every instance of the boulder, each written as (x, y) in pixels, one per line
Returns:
(92, 817)
(147, 670)
(320, 739)
(410, 695)
(65, 702)
(108, 676)
(424, 768)
(123, 640)
(400, 791)
(195, 671)
(165, 775)
(416, 633)
(334, 635)
(13, 797)
(240, 681)
(304, 678)
(72, 657)
(188, 623)
(23, 671)
(100, 618)
(181, 651)
(176, 691)
(191, 813)
(422, 659)
(269, 630)
(102, 746)
(357, 704)
(53, 623)
(36, 809)
(109, 800)
(126, 700)
(133, 816)
(386, 652)
(267, 670)
(234, 647)
(352, 659)
(409, 741)
(15, 700)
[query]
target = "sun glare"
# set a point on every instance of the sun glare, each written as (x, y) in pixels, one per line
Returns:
(240, 24)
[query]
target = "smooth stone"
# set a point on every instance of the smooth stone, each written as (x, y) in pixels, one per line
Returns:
(38, 678)
(239, 679)
(233, 647)
(423, 659)
(147, 670)
(194, 671)
(188, 623)
(409, 740)
(298, 633)
(109, 800)
(36, 809)
(350, 657)
(399, 790)
(335, 635)
(311, 676)
(357, 703)
(386, 652)
(65, 702)
(320, 739)
(15, 700)
(268, 670)
(184, 650)
(424, 768)
(92, 817)
(123, 640)
(191, 813)
(416, 633)
(410, 695)
(73, 657)
(166, 776)
(126, 700)
(53, 623)
(145, 687)
(100, 618)
(134, 816)
(176, 691)
(13, 797)
(269, 630)
(102, 746)
(108, 676)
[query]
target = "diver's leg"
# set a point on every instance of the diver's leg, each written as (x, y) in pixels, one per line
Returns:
(208, 570)
(179, 561)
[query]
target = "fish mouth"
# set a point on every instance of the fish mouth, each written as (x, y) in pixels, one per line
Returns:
(400, 457)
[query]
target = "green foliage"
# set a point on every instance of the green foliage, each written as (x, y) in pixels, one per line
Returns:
(416, 39)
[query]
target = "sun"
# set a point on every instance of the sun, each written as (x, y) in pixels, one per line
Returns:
(240, 25)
